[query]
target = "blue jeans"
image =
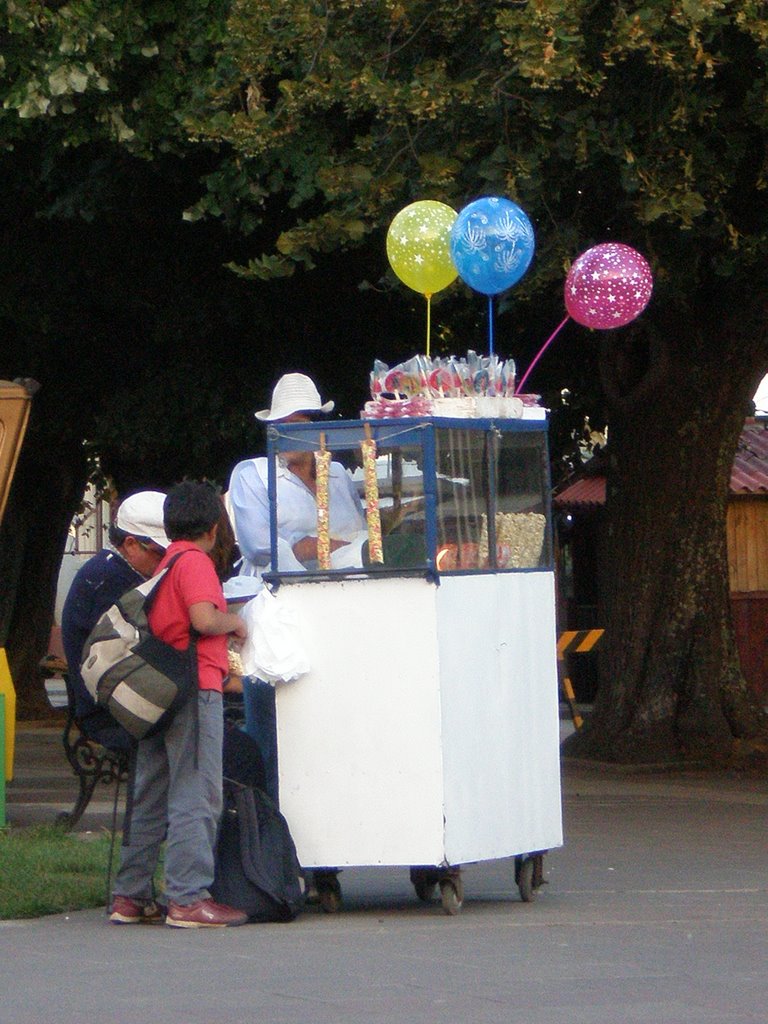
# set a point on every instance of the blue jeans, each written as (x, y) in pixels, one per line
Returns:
(176, 801)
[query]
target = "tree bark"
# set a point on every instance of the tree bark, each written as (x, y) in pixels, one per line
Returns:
(671, 688)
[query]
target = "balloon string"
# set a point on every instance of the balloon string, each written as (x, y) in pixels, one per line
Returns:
(490, 325)
(429, 320)
(540, 353)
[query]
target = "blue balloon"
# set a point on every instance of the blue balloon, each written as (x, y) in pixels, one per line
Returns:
(492, 244)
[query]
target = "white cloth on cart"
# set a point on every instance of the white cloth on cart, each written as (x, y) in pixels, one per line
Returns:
(273, 650)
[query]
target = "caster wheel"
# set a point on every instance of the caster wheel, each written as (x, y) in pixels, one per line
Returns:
(328, 891)
(425, 891)
(452, 895)
(525, 879)
(538, 871)
(425, 883)
(330, 902)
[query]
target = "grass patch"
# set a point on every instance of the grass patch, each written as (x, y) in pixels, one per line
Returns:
(45, 870)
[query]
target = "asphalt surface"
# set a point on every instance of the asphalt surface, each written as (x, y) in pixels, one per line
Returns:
(655, 911)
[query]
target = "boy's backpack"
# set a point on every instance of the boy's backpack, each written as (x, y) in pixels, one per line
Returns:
(256, 870)
(141, 680)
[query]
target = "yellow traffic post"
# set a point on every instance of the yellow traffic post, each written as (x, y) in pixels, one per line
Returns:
(2, 758)
(9, 715)
(575, 641)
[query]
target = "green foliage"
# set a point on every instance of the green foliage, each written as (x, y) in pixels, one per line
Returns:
(45, 870)
(309, 126)
(642, 121)
(106, 69)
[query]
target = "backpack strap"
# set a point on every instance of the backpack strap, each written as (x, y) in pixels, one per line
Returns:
(191, 648)
(129, 792)
(150, 598)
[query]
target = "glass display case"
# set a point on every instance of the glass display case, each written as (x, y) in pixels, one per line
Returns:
(451, 496)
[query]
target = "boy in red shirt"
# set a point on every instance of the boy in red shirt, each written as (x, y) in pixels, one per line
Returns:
(178, 783)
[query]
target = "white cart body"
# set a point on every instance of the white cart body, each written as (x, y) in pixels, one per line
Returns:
(427, 729)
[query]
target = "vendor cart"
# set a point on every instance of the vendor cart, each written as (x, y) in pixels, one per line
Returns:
(426, 732)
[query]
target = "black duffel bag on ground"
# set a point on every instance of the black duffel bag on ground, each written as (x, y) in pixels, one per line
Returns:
(257, 869)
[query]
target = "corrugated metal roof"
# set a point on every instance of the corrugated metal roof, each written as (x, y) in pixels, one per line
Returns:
(750, 467)
(748, 476)
(587, 494)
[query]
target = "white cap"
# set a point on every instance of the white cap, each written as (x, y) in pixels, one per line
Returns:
(141, 515)
(294, 392)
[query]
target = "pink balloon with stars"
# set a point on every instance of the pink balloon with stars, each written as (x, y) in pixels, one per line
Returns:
(608, 286)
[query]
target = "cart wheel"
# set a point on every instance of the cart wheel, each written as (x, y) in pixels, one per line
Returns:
(424, 882)
(452, 894)
(538, 871)
(425, 891)
(525, 879)
(328, 891)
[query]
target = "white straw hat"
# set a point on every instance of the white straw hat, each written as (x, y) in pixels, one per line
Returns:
(294, 392)
(141, 515)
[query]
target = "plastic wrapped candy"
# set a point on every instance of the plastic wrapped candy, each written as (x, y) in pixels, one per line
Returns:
(447, 386)
(443, 377)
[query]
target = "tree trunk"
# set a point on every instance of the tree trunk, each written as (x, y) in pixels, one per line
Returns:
(671, 687)
(46, 491)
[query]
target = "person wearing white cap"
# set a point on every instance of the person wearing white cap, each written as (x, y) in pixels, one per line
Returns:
(138, 542)
(295, 398)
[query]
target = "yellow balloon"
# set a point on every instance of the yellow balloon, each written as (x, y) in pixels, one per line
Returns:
(419, 246)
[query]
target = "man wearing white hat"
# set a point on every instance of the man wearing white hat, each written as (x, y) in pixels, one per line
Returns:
(138, 543)
(294, 393)
(295, 398)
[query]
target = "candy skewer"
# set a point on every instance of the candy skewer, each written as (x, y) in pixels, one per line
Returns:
(322, 469)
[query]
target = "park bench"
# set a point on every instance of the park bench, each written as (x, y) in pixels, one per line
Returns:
(91, 762)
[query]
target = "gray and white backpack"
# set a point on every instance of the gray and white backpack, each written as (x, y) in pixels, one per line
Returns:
(141, 680)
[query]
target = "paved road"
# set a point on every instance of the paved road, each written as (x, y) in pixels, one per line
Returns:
(655, 912)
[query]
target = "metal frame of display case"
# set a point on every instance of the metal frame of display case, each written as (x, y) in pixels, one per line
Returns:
(346, 435)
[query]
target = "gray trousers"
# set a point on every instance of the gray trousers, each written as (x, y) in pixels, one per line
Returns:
(177, 802)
